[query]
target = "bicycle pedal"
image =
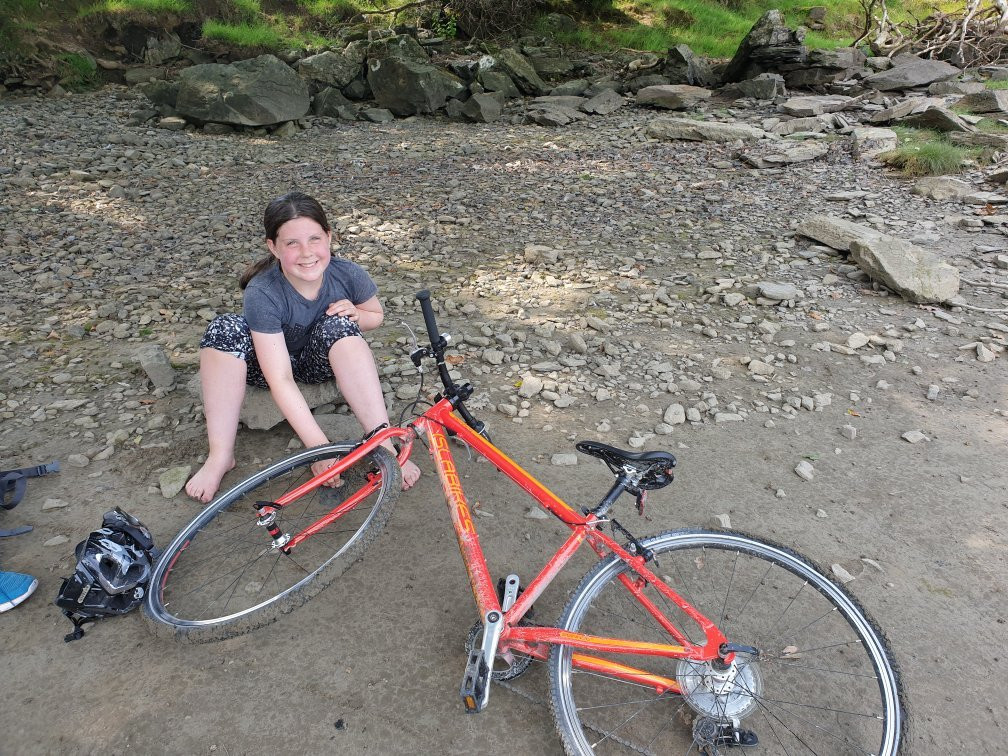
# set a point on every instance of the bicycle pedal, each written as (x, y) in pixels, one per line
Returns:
(475, 682)
(475, 689)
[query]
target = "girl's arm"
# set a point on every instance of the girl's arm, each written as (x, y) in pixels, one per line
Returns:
(271, 351)
(368, 314)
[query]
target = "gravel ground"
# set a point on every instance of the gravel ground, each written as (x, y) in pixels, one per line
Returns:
(599, 285)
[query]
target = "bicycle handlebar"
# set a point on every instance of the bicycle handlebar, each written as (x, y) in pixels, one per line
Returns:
(438, 344)
(428, 316)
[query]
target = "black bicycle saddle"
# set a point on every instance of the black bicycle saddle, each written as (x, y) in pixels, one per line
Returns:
(656, 465)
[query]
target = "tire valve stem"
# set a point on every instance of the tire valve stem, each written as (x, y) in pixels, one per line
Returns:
(267, 519)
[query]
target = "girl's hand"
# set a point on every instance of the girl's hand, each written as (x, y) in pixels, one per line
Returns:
(344, 307)
(321, 466)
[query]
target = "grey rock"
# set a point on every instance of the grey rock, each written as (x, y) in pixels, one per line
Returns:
(331, 102)
(937, 119)
(767, 45)
(484, 107)
(912, 272)
(869, 141)
(813, 105)
(330, 68)
(531, 385)
(893, 112)
(50, 504)
(605, 102)
(56, 541)
(673, 96)
(564, 459)
(987, 101)
(675, 415)
(766, 86)
(497, 81)
(913, 73)
(956, 88)
(520, 70)
(406, 87)
(914, 437)
(155, 364)
(402, 47)
(260, 412)
(257, 92)
(941, 187)
(779, 291)
(805, 470)
(669, 129)
(172, 480)
(683, 66)
(78, 460)
(837, 233)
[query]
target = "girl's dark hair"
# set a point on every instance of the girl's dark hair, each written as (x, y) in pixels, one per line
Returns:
(282, 209)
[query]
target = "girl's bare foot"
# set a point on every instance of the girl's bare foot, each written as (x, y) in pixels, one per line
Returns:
(204, 484)
(410, 474)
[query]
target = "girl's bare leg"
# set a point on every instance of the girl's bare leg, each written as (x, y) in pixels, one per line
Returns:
(222, 378)
(357, 377)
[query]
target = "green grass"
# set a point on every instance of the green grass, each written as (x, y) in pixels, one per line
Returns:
(245, 35)
(997, 84)
(139, 6)
(77, 72)
(923, 152)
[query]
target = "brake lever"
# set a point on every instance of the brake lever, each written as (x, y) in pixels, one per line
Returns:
(418, 352)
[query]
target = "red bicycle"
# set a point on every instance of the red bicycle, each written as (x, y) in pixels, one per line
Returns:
(687, 639)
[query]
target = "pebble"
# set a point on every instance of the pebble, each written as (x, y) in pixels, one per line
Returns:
(78, 460)
(933, 391)
(849, 432)
(535, 513)
(914, 437)
(821, 513)
(720, 521)
(805, 470)
(675, 414)
(54, 504)
(841, 573)
(56, 541)
(172, 480)
(564, 459)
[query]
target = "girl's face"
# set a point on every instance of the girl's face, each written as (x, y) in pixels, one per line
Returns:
(302, 247)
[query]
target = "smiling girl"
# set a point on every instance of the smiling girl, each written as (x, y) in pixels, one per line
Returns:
(303, 316)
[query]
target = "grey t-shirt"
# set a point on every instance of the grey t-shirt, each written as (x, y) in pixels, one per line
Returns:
(272, 305)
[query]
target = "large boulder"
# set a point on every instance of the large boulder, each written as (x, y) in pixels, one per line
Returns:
(519, 69)
(257, 92)
(673, 96)
(912, 72)
(406, 87)
(330, 68)
(768, 45)
(683, 66)
(670, 129)
(907, 269)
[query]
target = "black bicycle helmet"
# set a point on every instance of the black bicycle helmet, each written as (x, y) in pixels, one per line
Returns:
(113, 559)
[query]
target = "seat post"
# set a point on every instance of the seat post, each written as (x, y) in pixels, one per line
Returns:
(609, 499)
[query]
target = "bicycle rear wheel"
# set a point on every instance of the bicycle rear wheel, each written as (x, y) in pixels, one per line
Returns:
(822, 682)
(222, 575)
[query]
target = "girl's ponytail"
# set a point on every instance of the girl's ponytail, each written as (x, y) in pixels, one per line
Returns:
(253, 270)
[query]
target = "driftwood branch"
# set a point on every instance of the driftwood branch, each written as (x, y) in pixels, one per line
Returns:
(974, 36)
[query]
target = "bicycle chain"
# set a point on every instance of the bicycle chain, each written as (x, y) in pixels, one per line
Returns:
(536, 702)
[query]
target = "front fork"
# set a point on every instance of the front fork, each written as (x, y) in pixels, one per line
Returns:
(267, 519)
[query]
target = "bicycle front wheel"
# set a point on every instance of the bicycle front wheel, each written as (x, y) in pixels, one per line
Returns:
(822, 680)
(223, 576)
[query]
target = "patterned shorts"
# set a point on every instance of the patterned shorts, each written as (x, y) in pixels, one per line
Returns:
(230, 333)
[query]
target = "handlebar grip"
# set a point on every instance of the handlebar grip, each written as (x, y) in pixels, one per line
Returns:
(428, 315)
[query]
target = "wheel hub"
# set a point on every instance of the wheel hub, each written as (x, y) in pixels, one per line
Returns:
(722, 692)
